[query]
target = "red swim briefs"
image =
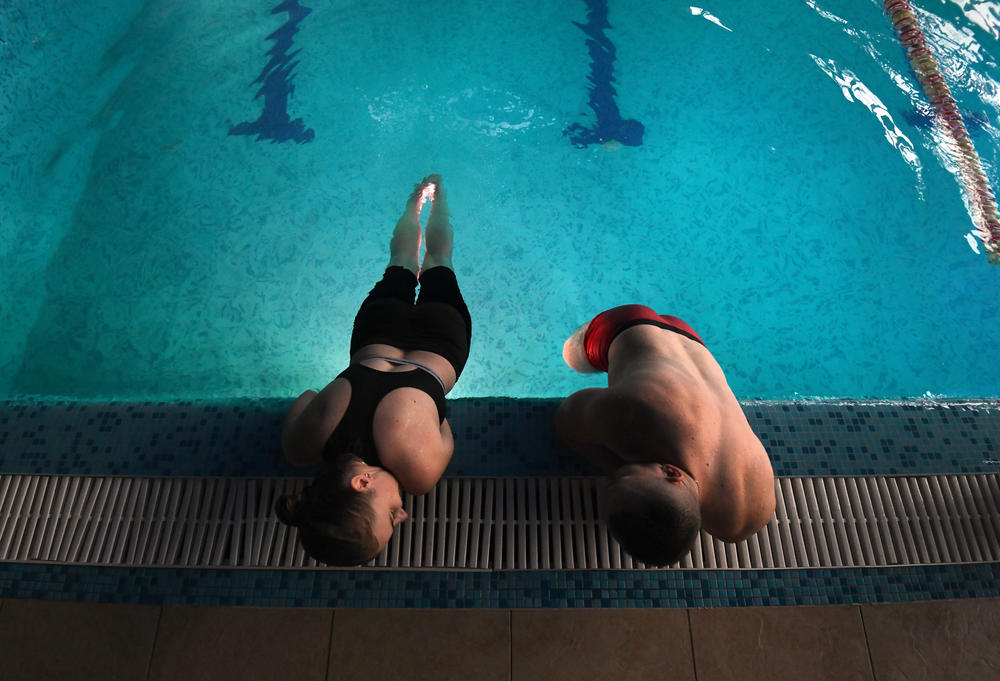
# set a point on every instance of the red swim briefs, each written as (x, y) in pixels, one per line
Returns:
(606, 326)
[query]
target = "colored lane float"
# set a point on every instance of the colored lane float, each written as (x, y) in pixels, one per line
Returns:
(982, 202)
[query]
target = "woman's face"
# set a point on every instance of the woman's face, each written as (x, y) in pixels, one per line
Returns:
(386, 500)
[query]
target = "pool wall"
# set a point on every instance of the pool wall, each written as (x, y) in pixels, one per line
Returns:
(494, 437)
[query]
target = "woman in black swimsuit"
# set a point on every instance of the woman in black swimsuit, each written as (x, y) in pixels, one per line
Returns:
(379, 427)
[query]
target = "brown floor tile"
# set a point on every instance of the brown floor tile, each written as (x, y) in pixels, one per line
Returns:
(44, 640)
(551, 645)
(411, 645)
(772, 644)
(217, 643)
(944, 640)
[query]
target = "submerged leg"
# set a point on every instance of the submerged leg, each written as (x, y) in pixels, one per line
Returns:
(439, 232)
(404, 248)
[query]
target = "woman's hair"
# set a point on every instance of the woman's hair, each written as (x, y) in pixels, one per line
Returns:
(334, 520)
(653, 524)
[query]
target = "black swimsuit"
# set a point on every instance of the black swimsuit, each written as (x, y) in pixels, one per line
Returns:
(368, 386)
(437, 322)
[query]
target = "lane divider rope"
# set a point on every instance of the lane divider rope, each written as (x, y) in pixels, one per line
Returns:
(981, 198)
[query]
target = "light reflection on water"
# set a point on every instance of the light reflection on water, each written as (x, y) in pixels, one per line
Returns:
(854, 90)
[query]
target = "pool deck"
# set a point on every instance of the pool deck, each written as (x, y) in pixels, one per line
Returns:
(937, 640)
(114, 623)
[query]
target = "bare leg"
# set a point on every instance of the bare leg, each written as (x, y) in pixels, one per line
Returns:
(574, 355)
(404, 248)
(439, 233)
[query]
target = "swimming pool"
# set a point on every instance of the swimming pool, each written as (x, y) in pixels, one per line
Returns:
(168, 235)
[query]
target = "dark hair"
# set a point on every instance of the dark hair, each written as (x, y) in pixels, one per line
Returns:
(334, 520)
(653, 524)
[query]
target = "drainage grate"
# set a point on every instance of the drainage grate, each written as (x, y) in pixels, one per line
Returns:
(490, 524)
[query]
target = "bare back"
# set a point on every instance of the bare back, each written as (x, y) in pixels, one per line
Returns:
(668, 401)
(412, 445)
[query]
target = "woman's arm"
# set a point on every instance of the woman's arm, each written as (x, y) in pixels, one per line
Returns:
(297, 433)
(419, 459)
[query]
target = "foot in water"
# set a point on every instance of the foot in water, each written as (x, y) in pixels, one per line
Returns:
(422, 191)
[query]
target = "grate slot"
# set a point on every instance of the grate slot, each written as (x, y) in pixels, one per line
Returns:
(990, 502)
(810, 545)
(31, 509)
(565, 524)
(555, 527)
(455, 521)
(819, 512)
(728, 550)
(917, 509)
(980, 517)
(419, 529)
(507, 550)
(897, 525)
(439, 526)
(70, 516)
(81, 516)
(238, 544)
(43, 515)
(124, 502)
(531, 494)
(9, 488)
(863, 519)
(98, 523)
(462, 545)
(49, 520)
(847, 530)
(476, 514)
(878, 523)
(947, 507)
(767, 555)
(153, 525)
(580, 544)
(782, 547)
(913, 541)
(545, 539)
(498, 529)
(933, 510)
(487, 526)
(971, 525)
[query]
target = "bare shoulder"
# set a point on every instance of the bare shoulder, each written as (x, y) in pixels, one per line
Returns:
(412, 443)
(417, 455)
(583, 422)
(763, 500)
(743, 497)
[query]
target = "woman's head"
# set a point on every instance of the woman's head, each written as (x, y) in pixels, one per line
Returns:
(653, 511)
(347, 514)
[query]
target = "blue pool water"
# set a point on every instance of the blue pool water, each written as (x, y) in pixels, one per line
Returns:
(198, 195)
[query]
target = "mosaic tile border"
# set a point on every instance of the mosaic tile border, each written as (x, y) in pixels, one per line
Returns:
(506, 589)
(494, 437)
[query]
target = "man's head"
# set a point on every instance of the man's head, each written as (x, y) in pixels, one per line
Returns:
(347, 515)
(653, 510)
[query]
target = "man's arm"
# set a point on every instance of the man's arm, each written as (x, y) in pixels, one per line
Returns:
(756, 497)
(581, 425)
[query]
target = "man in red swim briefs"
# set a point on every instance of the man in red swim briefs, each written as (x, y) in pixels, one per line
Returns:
(668, 431)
